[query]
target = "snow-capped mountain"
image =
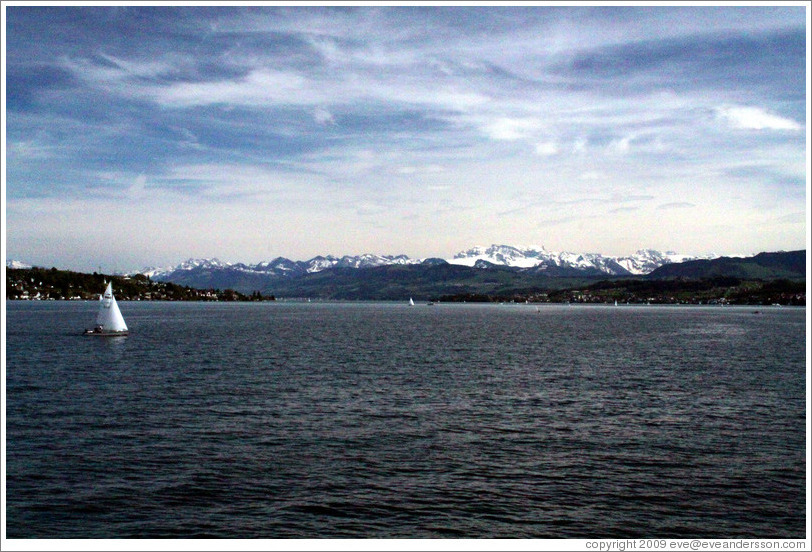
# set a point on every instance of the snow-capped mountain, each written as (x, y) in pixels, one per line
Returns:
(16, 264)
(535, 258)
(506, 255)
(189, 264)
(539, 258)
(369, 260)
(280, 266)
(645, 261)
(317, 264)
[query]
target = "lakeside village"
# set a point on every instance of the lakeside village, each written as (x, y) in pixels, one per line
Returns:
(40, 284)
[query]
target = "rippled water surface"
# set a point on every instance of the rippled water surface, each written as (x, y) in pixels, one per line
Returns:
(283, 420)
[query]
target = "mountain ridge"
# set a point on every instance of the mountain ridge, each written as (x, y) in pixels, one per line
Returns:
(765, 265)
(766, 278)
(537, 258)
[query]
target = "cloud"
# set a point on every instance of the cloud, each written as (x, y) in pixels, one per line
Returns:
(323, 116)
(424, 169)
(107, 70)
(675, 205)
(621, 198)
(511, 128)
(754, 118)
(580, 145)
(798, 217)
(592, 175)
(260, 87)
(371, 208)
(565, 220)
(348, 111)
(29, 150)
(138, 189)
(620, 146)
(547, 148)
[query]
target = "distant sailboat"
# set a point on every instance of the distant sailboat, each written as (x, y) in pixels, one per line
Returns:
(411, 302)
(109, 321)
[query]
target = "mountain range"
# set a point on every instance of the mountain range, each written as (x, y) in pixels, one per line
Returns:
(495, 271)
(534, 258)
(491, 269)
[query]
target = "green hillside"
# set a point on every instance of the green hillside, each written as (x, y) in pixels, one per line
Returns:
(422, 282)
(764, 266)
(47, 284)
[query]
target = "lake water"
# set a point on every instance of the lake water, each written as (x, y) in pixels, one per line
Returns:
(380, 420)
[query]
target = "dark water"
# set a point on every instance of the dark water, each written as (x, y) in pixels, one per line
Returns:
(381, 420)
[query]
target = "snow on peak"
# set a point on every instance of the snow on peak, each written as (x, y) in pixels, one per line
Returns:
(536, 257)
(319, 263)
(641, 262)
(189, 264)
(507, 255)
(16, 264)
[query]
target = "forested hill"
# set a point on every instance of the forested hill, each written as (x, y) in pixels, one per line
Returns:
(764, 266)
(51, 283)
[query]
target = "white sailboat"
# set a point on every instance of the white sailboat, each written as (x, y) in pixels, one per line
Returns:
(109, 321)
(411, 302)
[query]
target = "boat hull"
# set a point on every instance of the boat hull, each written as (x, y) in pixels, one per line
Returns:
(105, 334)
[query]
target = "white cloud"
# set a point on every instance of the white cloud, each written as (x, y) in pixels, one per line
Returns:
(621, 146)
(29, 149)
(115, 69)
(371, 208)
(676, 205)
(213, 181)
(323, 116)
(547, 148)
(138, 189)
(485, 111)
(259, 87)
(580, 145)
(624, 209)
(754, 118)
(592, 175)
(511, 128)
(425, 169)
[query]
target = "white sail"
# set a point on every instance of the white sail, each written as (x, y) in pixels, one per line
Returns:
(411, 302)
(109, 317)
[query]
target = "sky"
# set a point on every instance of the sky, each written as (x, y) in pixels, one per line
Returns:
(145, 135)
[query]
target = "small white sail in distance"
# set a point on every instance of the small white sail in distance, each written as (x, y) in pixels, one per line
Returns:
(109, 317)
(411, 302)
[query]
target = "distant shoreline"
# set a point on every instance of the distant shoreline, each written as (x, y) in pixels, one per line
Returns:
(57, 285)
(437, 303)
